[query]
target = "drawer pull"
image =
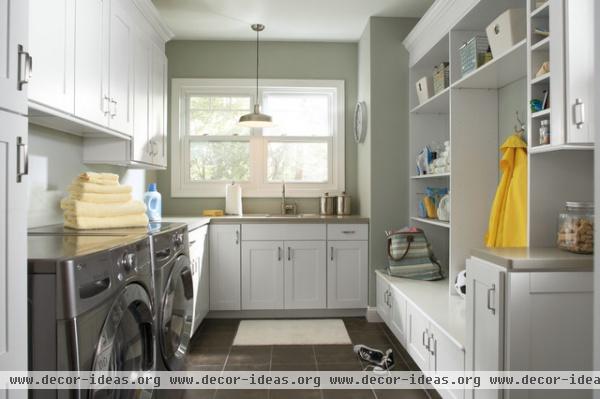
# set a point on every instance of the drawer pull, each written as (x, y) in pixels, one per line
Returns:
(489, 298)
(349, 232)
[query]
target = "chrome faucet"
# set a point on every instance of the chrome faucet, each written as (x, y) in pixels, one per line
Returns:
(286, 208)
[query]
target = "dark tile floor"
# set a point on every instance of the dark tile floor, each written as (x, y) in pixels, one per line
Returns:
(211, 349)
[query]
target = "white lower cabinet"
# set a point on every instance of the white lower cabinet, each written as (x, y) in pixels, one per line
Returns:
(347, 274)
(418, 341)
(225, 285)
(262, 275)
(397, 322)
(383, 292)
(305, 275)
(199, 266)
(537, 320)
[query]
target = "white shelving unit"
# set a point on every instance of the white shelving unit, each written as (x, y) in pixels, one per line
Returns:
(432, 222)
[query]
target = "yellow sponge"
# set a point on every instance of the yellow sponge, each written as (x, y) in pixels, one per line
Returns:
(213, 212)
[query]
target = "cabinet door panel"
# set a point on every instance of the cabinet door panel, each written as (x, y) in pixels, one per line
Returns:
(382, 293)
(262, 275)
(305, 275)
(52, 44)
(13, 251)
(142, 58)
(447, 356)
(397, 322)
(347, 274)
(197, 240)
(417, 339)
(121, 68)
(224, 267)
(579, 57)
(485, 315)
(91, 54)
(13, 32)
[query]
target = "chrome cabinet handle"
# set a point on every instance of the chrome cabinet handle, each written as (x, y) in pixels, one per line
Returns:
(433, 350)
(279, 253)
(348, 232)
(489, 300)
(331, 254)
(579, 113)
(289, 253)
(237, 237)
(25, 67)
(22, 159)
(106, 105)
(113, 113)
(423, 338)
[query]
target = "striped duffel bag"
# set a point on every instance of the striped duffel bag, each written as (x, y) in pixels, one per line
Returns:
(410, 256)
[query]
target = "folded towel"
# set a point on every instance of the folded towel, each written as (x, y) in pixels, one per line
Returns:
(85, 222)
(99, 178)
(80, 208)
(98, 188)
(100, 198)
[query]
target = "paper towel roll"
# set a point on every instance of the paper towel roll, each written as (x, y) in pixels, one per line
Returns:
(233, 199)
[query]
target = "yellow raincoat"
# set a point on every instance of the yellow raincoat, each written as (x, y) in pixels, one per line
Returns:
(508, 218)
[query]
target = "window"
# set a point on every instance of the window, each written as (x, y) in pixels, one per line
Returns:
(305, 148)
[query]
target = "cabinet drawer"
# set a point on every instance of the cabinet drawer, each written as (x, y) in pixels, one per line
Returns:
(347, 231)
(282, 232)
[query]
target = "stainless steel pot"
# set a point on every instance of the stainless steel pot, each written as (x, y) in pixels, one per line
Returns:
(344, 204)
(327, 205)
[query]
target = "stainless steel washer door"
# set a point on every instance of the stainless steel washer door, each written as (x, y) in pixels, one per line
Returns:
(175, 325)
(127, 341)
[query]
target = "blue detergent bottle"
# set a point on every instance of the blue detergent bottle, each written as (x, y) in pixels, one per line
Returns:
(153, 202)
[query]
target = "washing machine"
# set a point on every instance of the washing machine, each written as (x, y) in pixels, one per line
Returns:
(91, 308)
(174, 294)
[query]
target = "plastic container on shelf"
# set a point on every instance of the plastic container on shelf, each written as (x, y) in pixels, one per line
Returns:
(576, 228)
(153, 201)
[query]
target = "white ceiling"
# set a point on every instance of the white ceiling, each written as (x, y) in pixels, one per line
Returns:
(293, 20)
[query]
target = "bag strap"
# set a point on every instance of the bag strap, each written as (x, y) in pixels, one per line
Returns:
(409, 239)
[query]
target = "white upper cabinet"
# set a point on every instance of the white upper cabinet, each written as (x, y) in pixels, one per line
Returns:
(52, 44)
(121, 67)
(580, 73)
(15, 62)
(92, 99)
(158, 108)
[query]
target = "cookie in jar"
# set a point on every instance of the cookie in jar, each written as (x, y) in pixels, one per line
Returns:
(576, 228)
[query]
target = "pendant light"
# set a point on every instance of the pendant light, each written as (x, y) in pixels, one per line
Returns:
(256, 118)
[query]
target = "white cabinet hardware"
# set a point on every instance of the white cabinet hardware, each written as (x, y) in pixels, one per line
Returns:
(579, 111)
(25, 67)
(22, 159)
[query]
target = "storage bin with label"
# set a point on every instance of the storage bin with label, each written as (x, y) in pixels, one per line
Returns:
(506, 30)
(441, 77)
(472, 54)
(424, 89)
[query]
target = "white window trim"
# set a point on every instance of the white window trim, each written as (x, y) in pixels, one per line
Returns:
(182, 188)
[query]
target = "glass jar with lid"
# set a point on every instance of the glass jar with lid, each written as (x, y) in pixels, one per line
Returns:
(576, 228)
(544, 132)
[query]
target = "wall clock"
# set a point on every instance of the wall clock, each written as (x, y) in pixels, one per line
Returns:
(360, 122)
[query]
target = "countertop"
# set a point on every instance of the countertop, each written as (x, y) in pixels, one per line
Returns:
(264, 218)
(535, 259)
(433, 298)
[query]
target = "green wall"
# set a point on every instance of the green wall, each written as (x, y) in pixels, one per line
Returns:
(279, 60)
(383, 176)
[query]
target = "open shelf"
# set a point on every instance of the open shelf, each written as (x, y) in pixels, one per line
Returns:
(540, 149)
(499, 72)
(540, 114)
(543, 78)
(432, 176)
(433, 222)
(438, 104)
(542, 45)
(541, 11)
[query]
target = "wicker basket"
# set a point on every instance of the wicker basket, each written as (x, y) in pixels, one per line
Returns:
(472, 54)
(441, 77)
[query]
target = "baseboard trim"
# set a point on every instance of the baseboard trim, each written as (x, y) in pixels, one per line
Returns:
(372, 315)
(282, 314)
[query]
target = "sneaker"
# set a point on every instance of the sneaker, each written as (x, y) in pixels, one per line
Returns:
(369, 355)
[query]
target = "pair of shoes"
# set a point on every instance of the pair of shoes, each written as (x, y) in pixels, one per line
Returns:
(379, 360)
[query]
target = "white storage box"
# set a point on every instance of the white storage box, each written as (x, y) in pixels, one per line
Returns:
(424, 88)
(506, 30)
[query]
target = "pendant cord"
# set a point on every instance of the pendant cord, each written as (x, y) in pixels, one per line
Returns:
(257, 57)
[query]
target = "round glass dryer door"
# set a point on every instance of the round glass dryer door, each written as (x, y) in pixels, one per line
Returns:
(126, 342)
(176, 316)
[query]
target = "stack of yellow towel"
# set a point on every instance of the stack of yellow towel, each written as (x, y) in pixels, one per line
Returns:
(98, 201)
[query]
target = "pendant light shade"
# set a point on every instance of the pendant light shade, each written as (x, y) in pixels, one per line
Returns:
(256, 118)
